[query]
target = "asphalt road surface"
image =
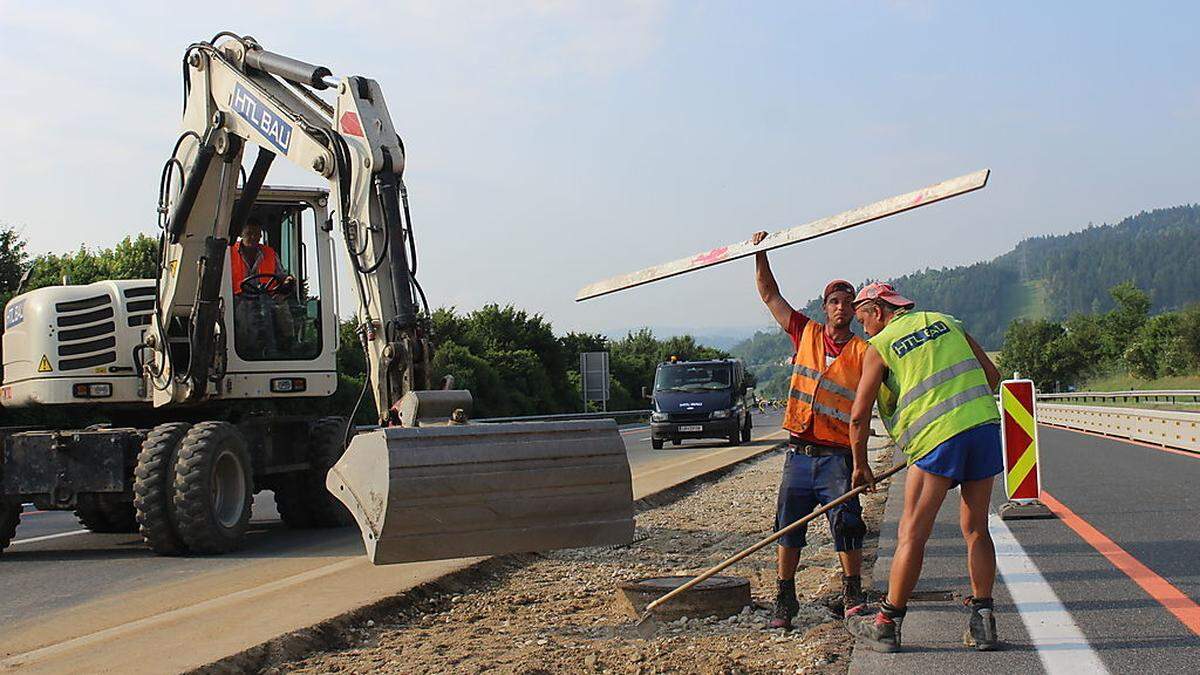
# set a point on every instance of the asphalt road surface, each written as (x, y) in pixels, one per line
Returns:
(1111, 584)
(58, 583)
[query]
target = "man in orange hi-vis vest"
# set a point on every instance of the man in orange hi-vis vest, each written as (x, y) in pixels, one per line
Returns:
(819, 466)
(259, 280)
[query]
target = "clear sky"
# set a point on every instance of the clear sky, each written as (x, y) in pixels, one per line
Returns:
(552, 144)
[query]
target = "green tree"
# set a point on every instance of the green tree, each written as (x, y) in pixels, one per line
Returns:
(1122, 324)
(1028, 350)
(351, 360)
(13, 261)
(473, 373)
(132, 258)
(1159, 348)
(1189, 333)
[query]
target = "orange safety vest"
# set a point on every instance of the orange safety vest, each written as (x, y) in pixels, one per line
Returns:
(820, 398)
(267, 262)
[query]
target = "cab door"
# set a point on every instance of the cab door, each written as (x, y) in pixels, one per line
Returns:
(281, 326)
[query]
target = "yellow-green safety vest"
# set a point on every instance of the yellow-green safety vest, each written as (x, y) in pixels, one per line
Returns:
(935, 387)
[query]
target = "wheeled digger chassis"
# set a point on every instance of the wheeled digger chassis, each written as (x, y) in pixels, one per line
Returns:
(186, 485)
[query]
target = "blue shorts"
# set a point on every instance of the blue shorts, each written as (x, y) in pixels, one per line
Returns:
(811, 481)
(969, 455)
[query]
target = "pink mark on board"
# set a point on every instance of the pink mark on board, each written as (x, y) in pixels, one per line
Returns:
(918, 199)
(715, 255)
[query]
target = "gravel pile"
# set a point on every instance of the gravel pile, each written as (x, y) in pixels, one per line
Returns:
(559, 612)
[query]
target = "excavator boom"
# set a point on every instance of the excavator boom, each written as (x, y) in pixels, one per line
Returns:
(426, 484)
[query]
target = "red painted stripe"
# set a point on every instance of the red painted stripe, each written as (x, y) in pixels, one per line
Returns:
(1028, 489)
(1144, 444)
(1164, 592)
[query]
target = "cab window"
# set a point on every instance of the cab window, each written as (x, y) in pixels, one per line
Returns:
(276, 285)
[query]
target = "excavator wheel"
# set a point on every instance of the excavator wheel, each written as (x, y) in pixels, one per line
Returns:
(214, 488)
(106, 516)
(291, 493)
(10, 517)
(154, 488)
(327, 444)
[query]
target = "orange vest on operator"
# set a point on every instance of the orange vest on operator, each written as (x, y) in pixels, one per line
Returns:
(268, 263)
(818, 408)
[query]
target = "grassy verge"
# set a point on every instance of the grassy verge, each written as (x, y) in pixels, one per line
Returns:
(1125, 382)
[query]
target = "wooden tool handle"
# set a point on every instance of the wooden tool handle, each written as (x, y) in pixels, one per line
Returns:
(774, 536)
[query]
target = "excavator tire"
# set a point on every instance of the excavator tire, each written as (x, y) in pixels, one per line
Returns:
(107, 517)
(291, 492)
(154, 488)
(327, 443)
(214, 488)
(10, 516)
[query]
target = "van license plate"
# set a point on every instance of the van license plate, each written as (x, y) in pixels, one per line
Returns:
(691, 427)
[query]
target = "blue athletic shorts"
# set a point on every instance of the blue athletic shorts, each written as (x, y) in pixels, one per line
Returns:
(811, 481)
(973, 454)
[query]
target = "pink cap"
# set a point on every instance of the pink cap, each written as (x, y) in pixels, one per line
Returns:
(882, 291)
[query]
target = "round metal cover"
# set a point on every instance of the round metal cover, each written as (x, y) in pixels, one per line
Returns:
(716, 596)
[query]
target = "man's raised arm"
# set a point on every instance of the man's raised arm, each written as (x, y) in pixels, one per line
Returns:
(768, 289)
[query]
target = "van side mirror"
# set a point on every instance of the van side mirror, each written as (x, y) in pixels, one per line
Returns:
(646, 393)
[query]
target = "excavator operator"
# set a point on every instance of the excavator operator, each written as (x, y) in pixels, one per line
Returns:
(262, 289)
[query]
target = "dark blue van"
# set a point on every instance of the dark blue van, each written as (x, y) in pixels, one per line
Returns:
(700, 399)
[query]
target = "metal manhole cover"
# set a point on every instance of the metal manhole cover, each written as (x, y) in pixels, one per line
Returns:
(716, 596)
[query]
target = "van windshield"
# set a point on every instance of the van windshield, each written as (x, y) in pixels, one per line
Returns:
(688, 377)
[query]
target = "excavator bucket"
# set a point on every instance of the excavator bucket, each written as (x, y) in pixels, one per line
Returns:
(437, 492)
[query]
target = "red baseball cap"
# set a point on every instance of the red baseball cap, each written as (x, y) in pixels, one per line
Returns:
(837, 285)
(882, 291)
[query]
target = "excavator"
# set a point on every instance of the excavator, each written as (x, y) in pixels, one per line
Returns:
(206, 375)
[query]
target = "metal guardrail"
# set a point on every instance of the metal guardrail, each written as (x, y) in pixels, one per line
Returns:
(618, 415)
(1135, 396)
(1169, 428)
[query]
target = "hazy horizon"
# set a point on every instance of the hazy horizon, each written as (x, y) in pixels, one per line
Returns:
(552, 144)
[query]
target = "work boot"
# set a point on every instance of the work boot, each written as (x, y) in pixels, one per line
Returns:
(852, 595)
(880, 630)
(981, 628)
(786, 604)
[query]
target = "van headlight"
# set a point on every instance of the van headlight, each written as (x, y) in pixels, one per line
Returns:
(658, 417)
(720, 414)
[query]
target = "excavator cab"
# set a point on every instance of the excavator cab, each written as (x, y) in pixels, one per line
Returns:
(275, 279)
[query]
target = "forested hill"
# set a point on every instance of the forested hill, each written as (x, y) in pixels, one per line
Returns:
(1049, 277)
(1056, 276)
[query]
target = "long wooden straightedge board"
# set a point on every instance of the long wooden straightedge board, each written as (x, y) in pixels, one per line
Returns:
(817, 228)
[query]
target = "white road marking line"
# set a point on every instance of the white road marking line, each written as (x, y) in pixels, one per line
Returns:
(34, 540)
(26, 659)
(1061, 646)
(16, 661)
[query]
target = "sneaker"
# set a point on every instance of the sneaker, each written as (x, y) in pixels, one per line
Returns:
(880, 631)
(981, 628)
(786, 605)
(852, 595)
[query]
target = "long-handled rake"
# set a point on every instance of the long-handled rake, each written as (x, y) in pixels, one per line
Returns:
(645, 620)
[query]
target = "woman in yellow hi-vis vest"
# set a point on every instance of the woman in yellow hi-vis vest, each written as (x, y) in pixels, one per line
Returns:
(825, 373)
(934, 385)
